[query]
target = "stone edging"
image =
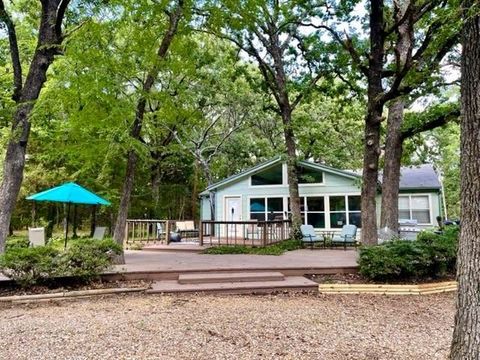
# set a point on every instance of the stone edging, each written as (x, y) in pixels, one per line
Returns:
(68, 295)
(386, 289)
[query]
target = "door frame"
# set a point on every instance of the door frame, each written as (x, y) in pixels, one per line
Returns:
(225, 210)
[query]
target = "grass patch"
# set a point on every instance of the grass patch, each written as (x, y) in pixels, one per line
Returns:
(275, 249)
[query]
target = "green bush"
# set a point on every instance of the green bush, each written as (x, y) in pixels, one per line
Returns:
(431, 255)
(88, 258)
(27, 266)
(84, 259)
(274, 249)
(16, 242)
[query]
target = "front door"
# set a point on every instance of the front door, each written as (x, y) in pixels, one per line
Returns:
(233, 212)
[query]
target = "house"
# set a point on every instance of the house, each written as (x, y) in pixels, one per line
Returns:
(330, 198)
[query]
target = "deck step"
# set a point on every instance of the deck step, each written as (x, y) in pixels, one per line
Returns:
(232, 277)
(290, 283)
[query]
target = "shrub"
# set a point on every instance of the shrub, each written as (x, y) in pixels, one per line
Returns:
(27, 266)
(88, 258)
(431, 255)
(84, 259)
(274, 249)
(15, 242)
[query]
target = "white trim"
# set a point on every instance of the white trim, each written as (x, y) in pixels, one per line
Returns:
(430, 212)
(327, 212)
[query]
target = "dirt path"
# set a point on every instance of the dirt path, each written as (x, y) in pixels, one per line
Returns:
(230, 327)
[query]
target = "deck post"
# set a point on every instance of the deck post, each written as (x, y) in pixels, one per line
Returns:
(265, 230)
(200, 233)
(125, 238)
(167, 232)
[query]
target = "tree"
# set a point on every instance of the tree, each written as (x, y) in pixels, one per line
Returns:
(273, 34)
(25, 94)
(398, 131)
(426, 32)
(466, 334)
(174, 17)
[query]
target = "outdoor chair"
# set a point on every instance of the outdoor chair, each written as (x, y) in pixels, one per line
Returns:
(309, 236)
(99, 232)
(346, 237)
(187, 228)
(36, 236)
(160, 230)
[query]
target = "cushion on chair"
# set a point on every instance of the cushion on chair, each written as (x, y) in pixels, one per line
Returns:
(348, 234)
(308, 233)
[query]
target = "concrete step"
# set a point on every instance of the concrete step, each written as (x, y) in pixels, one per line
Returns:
(207, 278)
(290, 283)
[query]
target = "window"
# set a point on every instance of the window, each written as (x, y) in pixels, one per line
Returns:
(262, 209)
(315, 211)
(354, 213)
(257, 209)
(309, 176)
(338, 211)
(414, 207)
(270, 176)
(345, 210)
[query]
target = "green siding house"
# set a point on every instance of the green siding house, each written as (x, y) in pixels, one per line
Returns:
(330, 198)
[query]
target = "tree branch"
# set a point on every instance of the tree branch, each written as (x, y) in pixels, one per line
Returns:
(14, 53)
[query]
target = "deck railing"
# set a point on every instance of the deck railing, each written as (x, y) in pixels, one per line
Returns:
(139, 232)
(246, 233)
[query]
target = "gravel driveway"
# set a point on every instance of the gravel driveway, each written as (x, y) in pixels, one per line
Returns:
(230, 327)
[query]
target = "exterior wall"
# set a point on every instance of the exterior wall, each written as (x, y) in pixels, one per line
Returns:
(333, 184)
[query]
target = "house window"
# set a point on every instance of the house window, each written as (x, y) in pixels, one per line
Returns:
(262, 209)
(415, 207)
(354, 213)
(315, 211)
(270, 176)
(312, 210)
(345, 210)
(309, 176)
(338, 211)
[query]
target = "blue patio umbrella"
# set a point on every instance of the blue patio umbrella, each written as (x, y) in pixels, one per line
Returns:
(69, 193)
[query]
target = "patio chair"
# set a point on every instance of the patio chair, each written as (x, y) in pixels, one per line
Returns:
(346, 237)
(309, 236)
(36, 236)
(99, 232)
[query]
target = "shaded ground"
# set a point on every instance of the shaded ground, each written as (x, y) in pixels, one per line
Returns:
(230, 327)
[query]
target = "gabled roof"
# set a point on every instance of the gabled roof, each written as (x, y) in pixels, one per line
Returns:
(274, 161)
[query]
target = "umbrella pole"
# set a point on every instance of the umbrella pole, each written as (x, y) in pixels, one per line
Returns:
(66, 227)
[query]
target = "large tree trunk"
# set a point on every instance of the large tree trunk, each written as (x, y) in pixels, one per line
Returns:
(370, 177)
(49, 38)
(391, 173)
(372, 125)
(394, 140)
(292, 175)
(135, 133)
(466, 335)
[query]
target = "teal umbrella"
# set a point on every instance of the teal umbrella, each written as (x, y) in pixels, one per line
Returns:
(70, 193)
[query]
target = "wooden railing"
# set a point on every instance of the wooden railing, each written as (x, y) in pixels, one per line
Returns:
(246, 233)
(139, 232)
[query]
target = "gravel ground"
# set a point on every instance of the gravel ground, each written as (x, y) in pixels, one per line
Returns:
(230, 327)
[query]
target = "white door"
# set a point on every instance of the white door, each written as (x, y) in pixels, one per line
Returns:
(233, 212)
